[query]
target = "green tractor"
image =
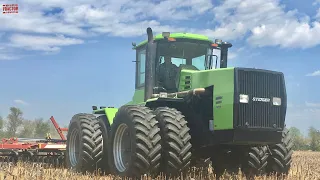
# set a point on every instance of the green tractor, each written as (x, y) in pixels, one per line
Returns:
(231, 117)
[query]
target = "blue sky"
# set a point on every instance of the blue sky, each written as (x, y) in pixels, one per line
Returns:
(61, 57)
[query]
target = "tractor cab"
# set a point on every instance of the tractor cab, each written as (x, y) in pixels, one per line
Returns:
(185, 51)
(173, 56)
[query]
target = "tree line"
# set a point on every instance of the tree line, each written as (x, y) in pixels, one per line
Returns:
(309, 142)
(15, 125)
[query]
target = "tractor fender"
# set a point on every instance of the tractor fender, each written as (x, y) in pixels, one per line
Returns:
(177, 103)
(110, 113)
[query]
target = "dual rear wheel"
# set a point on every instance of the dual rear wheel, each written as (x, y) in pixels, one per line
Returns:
(140, 141)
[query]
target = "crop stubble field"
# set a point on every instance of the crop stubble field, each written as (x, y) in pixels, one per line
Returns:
(305, 166)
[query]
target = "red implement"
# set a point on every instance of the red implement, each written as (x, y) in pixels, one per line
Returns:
(46, 150)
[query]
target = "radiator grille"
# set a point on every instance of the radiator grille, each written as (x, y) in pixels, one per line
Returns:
(261, 84)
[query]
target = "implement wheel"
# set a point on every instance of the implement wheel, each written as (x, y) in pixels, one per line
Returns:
(84, 150)
(135, 147)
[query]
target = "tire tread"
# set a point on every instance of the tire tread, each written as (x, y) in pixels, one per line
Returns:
(176, 144)
(281, 155)
(148, 147)
(92, 141)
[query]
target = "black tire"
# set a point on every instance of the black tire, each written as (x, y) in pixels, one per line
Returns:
(255, 161)
(175, 141)
(105, 129)
(279, 161)
(85, 135)
(144, 138)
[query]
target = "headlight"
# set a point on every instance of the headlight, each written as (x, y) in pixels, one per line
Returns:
(244, 98)
(276, 101)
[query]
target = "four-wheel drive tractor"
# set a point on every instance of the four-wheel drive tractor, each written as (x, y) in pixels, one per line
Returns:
(234, 117)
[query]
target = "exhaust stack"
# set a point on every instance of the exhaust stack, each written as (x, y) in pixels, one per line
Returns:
(150, 65)
(224, 54)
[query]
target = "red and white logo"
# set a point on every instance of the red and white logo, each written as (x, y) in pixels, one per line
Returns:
(9, 8)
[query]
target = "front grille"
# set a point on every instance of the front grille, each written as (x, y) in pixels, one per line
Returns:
(261, 84)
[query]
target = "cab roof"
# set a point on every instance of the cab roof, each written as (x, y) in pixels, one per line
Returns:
(178, 36)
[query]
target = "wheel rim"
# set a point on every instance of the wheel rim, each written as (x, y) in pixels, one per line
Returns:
(74, 147)
(120, 145)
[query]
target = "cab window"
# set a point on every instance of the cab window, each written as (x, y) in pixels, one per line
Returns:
(198, 62)
(141, 67)
(176, 61)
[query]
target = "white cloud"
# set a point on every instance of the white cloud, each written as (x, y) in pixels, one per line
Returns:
(316, 73)
(265, 22)
(316, 2)
(260, 22)
(232, 55)
(291, 34)
(8, 57)
(135, 29)
(35, 22)
(309, 104)
(85, 18)
(170, 9)
(42, 43)
(93, 14)
(19, 101)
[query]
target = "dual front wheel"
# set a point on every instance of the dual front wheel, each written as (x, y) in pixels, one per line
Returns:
(140, 141)
(256, 160)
